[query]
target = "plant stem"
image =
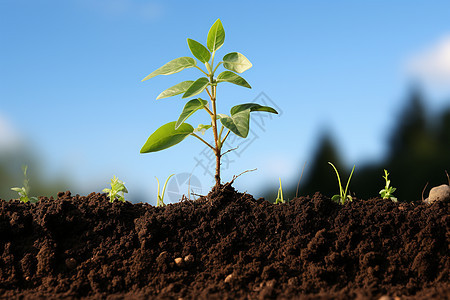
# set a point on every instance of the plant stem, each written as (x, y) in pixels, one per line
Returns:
(206, 143)
(220, 135)
(208, 92)
(216, 136)
(208, 110)
(226, 135)
(202, 70)
(217, 67)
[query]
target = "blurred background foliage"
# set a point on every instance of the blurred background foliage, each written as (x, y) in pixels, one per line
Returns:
(418, 152)
(11, 175)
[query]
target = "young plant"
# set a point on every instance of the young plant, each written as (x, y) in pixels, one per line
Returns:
(388, 190)
(280, 198)
(160, 199)
(342, 197)
(25, 190)
(117, 190)
(237, 122)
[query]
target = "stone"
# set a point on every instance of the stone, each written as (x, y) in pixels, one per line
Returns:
(229, 278)
(439, 193)
(71, 263)
(189, 259)
(179, 261)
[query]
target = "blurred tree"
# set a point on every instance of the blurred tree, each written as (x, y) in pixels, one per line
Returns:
(444, 135)
(418, 152)
(11, 175)
(319, 175)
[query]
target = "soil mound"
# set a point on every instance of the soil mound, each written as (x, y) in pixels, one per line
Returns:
(226, 245)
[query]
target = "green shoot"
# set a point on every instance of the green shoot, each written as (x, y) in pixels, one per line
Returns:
(117, 190)
(237, 122)
(24, 191)
(388, 190)
(160, 199)
(342, 197)
(280, 198)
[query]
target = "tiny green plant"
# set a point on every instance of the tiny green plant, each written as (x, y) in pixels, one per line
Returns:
(160, 199)
(237, 122)
(387, 192)
(280, 198)
(117, 190)
(25, 190)
(343, 196)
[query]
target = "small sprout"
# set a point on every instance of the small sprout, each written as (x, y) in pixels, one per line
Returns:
(388, 190)
(342, 197)
(117, 190)
(280, 198)
(23, 191)
(160, 199)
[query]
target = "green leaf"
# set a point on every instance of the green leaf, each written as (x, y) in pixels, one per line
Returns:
(236, 62)
(336, 198)
(199, 51)
(202, 128)
(190, 108)
(220, 116)
(238, 123)
(196, 87)
(229, 76)
(177, 89)
(166, 136)
(16, 189)
(216, 36)
(173, 66)
(252, 107)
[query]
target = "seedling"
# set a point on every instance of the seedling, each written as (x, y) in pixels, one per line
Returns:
(117, 190)
(237, 122)
(24, 191)
(160, 199)
(388, 190)
(342, 197)
(280, 198)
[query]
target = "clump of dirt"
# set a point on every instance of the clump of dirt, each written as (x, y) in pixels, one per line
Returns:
(226, 245)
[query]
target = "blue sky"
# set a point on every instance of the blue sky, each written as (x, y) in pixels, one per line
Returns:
(70, 90)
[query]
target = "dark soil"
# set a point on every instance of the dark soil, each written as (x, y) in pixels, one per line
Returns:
(223, 246)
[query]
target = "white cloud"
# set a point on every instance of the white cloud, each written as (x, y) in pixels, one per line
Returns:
(432, 65)
(9, 137)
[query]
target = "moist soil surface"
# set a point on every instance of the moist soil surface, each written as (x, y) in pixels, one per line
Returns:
(226, 245)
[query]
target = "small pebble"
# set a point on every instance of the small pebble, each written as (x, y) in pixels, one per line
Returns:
(179, 261)
(439, 193)
(229, 278)
(71, 263)
(189, 259)
(271, 283)
(293, 281)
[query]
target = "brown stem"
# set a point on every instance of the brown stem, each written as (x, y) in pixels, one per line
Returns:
(216, 135)
(205, 142)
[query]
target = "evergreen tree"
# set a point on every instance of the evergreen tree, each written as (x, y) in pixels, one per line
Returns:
(319, 175)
